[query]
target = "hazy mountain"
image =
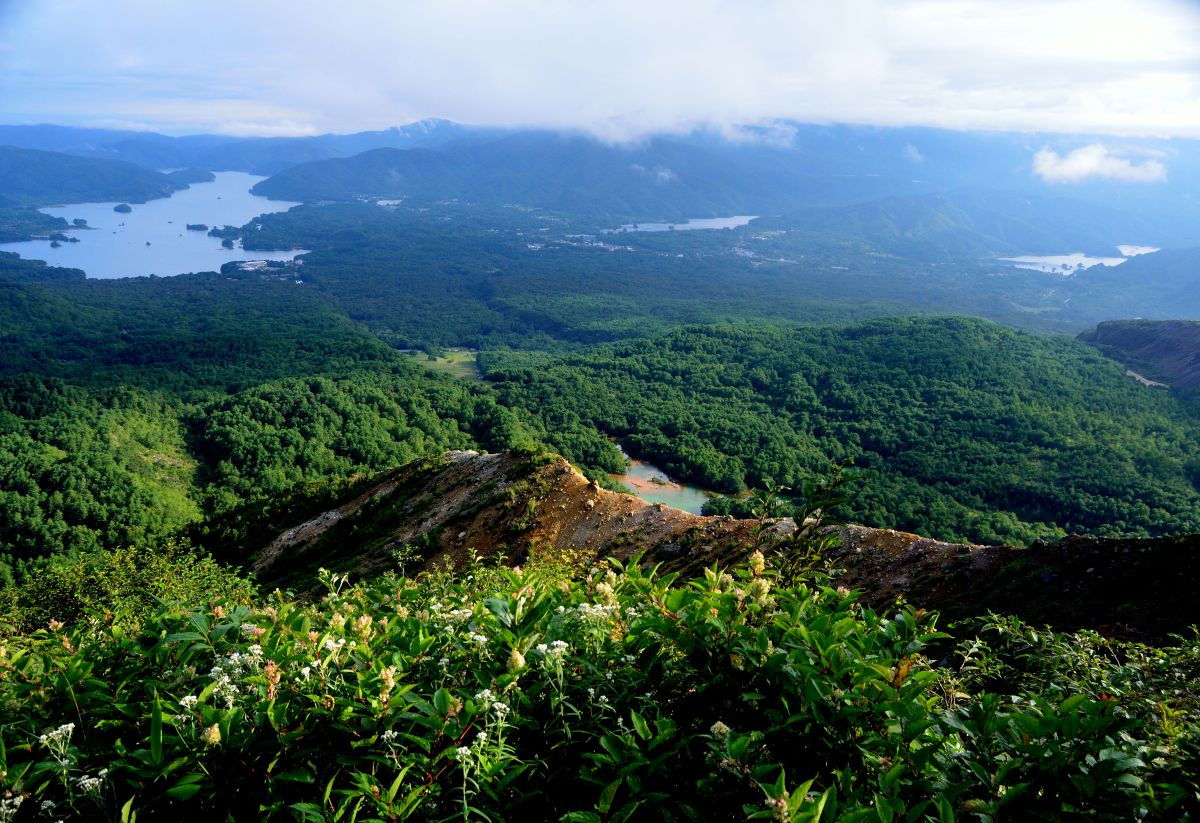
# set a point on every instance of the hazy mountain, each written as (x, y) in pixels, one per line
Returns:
(30, 177)
(263, 155)
(973, 224)
(989, 179)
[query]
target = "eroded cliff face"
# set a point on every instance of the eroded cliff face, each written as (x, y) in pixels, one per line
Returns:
(1166, 350)
(518, 505)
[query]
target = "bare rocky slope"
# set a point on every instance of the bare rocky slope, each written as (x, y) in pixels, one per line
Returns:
(1165, 350)
(521, 504)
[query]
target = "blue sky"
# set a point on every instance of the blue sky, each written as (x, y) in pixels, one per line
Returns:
(619, 69)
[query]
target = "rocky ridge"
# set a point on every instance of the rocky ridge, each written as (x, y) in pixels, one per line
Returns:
(518, 505)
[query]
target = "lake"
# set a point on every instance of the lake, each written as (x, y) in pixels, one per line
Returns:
(691, 225)
(153, 238)
(652, 485)
(1068, 264)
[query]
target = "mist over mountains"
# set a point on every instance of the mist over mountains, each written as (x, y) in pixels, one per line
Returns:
(1025, 193)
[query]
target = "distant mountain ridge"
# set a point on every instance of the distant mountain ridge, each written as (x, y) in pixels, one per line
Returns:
(771, 169)
(31, 177)
(257, 155)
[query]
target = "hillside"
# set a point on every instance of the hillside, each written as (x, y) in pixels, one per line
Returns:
(1165, 350)
(41, 178)
(520, 505)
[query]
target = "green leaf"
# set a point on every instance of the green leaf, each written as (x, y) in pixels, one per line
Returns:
(156, 731)
(608, 795)
(187, 787)
(499, 607)
(640, 726)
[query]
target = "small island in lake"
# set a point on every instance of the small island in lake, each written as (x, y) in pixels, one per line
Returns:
(197, 227)
(123, 208)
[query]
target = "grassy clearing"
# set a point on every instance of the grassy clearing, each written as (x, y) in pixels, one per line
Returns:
(456, 362)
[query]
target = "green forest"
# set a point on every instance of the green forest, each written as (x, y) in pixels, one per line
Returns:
(959, 428)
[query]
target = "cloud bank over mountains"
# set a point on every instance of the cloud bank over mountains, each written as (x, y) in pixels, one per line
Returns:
(1096, 161)
(619, 69)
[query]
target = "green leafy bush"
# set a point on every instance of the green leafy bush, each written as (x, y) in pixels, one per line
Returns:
(499, 694)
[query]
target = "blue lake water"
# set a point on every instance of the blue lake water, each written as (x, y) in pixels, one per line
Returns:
(691, 225)
(153, 238)
(653, 486)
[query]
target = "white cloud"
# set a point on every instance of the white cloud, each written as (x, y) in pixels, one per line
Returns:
(617, 68)
(912, 154)
(1096, 160)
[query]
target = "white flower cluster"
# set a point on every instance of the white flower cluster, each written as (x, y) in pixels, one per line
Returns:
(9, 806)
(553, 651)
(389, 737)
(59, 737)
(227, 671)
(595, 613)
(91, 785)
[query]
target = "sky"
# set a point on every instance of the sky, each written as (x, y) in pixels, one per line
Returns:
(619, 69)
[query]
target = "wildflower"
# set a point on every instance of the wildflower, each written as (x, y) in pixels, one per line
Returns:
(757, 562)
(485, 697)
(305, 673)
(516, 661)
(60, 735)
(211, 735)
(248, 630)
(605, 594)
(254, 651)
(218, 612)
(388, 676)
(55, 625)
(273, 675)
(500, 708)
(719, 729)
(337, 622)
(464, 754)
(480, 639)
(779, 808)
(758, 590)
(444, 662)
(188, 702)
(389, 737)
(313, 637)
(89, 785)
(363, 626)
